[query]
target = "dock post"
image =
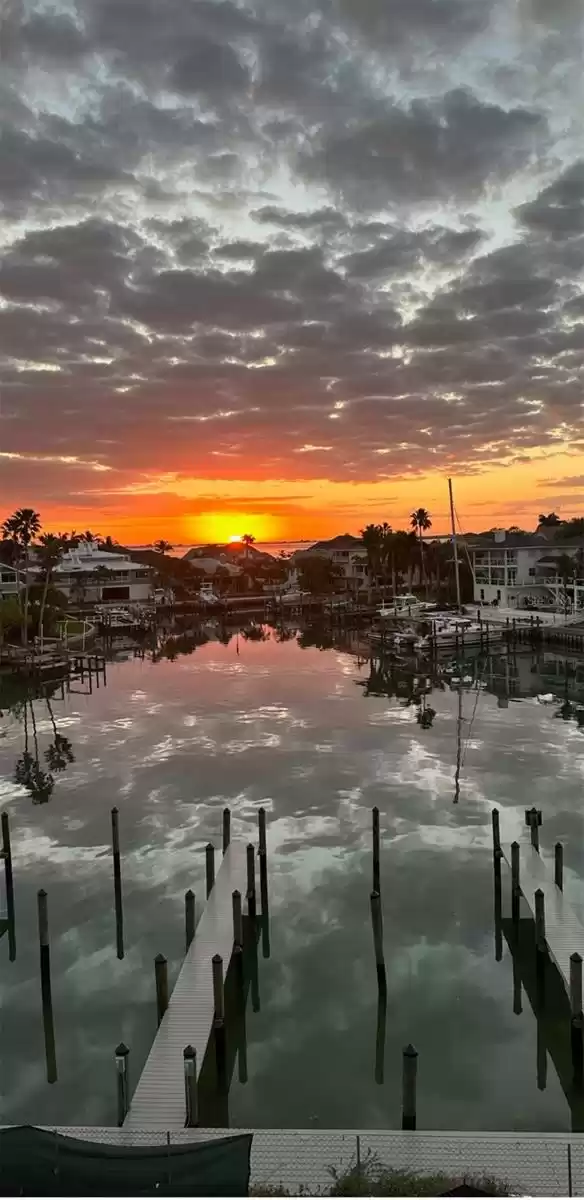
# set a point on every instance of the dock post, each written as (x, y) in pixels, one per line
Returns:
(122, 1055)
(189, 918)
(559, 865)
(251, 892)
(576, 1021)
(262, 830)
(226, 829)
(219, 1032)
(117, 884)
(409, 1079)
(237, 920)
(190, 1070)
(517, 998)
(541, 1051)
(540, 942)
(377, 922)
(533, 819)
(9, 885)
(209, 867)
(496, 831)
(376, 877)
(47, 1001)
(498, 905)
(380, 1036)
(161, 976)
(264, 903)
(515, 885)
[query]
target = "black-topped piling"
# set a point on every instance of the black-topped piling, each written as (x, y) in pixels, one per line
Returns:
(409, 1082)
(117, 884)
(46, 996)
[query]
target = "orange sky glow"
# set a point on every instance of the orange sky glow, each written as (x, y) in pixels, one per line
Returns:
(185, 509)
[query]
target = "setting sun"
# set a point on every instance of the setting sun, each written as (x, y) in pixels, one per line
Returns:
(217, 526)
(235, 537)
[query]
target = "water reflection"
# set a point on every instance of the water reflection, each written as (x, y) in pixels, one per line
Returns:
(317, 736)
(37, 778)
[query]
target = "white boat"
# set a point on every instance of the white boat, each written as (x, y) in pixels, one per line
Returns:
(456, 631)
(407, 605)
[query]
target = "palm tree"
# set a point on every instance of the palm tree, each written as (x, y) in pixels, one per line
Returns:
(421, 520)
(546, 521)
(53, 547)
(88, 536)
(162, 547)
(372, 541)
(248, 540)
(22, 527)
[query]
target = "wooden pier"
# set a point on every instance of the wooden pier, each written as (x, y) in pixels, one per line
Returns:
(564, 932)
(56, 661)
(159, 1098)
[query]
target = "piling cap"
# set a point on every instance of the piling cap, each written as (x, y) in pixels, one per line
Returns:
(189, 1052)
(410, 1051)
(122, 1050)
(236, 893)
(160, 958)
(539, 893)
(42, 894)
(190, 894)
(576, 958)
(217, 959)
(114, 811)
(209, 846)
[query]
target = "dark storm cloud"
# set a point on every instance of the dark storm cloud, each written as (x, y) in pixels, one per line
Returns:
(423, 151)
(248, 229)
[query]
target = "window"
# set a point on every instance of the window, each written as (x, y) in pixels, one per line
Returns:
(116, 593)
(8, 577)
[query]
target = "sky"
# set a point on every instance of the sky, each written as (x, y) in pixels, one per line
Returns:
(283, 267)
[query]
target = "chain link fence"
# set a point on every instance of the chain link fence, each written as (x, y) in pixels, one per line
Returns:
(306, 1161)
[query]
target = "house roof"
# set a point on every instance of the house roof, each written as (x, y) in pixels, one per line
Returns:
(343, 541)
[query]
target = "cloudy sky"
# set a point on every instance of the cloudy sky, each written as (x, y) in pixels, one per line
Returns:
(287, 265)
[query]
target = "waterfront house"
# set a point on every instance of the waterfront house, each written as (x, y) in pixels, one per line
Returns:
(11, 582)
(87, 574)
(348, 553)
(524, 571)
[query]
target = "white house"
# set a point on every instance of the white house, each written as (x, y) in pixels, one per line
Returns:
(88, 574)
(10, 581)
(346, 552)
(521, 572)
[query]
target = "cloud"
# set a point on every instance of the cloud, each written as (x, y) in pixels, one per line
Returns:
(565, 481)
(235, 231)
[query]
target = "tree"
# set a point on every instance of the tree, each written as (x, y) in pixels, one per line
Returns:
(162, 547)
(22, 528)
(566, 568)
(318, 574)
(248, 540)
(53, 547)
(421, 520)
(548, 521)
(88, 536)
(372, 541)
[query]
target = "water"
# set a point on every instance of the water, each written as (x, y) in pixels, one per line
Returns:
(311, 735)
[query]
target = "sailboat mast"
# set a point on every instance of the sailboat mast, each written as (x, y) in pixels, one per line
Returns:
(454, 544)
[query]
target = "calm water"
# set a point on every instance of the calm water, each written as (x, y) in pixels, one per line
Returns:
(299, 731)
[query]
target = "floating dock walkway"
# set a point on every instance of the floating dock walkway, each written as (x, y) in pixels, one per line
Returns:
(159, 1098)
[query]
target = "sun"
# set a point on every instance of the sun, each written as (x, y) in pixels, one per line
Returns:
(234, 537)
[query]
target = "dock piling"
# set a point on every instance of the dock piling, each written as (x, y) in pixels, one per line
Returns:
(559, 865)
(409, 1080)
(498, 905)
(515, 885)
(209, 867)
(262, 830)
(9, 886)
(576, 1022)
(376, 874)
(264, 904)
(496, 831)
(46, 996)
(218, 988)
(251, 892)
(540, 942)
(161, 977)
(117, 884)
(237, 920)
(190, 1070)
(377, 923)
(226, 829)
(189, 918)
(380, 1037)
(122, 1055)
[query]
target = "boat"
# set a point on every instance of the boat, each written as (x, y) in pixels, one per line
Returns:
(407, 605)
(456, 631)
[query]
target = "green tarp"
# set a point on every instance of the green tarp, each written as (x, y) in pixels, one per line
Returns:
(36, 1162)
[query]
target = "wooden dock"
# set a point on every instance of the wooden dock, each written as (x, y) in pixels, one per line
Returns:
(159, 1098)
(564, 932)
